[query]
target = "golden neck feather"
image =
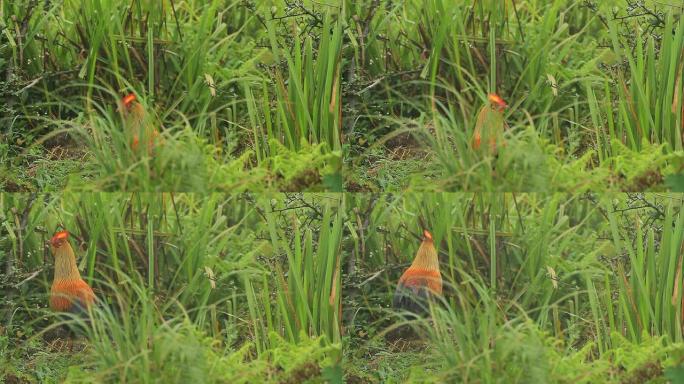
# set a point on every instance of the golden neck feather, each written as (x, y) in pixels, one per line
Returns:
(65, 263)
(136, 113)
(426, 257)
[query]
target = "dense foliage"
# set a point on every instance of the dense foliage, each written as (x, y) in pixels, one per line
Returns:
(209, 288)
(594, 93)
(540, 288)
(245, 95)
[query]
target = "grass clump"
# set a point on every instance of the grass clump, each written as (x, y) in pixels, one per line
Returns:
(229, 85)
(589, 86)
(537, 288)
(212, 288)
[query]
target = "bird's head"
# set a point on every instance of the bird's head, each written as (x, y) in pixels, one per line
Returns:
(427, 236)
(131, 108)
(59, 239)
(128, 101)
(496, 101)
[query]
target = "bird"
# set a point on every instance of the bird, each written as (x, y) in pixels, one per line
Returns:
(137, 124)
(69, 292)
(490, 126)
(421, 281)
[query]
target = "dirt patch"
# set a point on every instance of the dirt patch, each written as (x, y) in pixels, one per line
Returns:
(352, 186)
(303, 373)
(644, 373)
(11, 378)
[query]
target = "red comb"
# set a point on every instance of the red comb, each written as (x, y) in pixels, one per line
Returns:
(61, 235)
(496, 99)
(128, 99)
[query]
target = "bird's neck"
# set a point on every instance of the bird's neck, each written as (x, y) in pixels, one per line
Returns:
(426, 258)
(65, 264)
(137, 112)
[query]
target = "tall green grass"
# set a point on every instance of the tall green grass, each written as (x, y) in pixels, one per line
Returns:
(309, 104)
(536, 286)
(190, 287)
(471, 50)
(649, 90)
(590, 87)
(228, 103)
(649, 277)
(308, 291)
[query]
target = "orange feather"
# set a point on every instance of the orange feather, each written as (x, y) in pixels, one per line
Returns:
(417, 277)
(421, 280)
(65, 294)
(490, 124)
(69, 293)
(137, 123)
(477, 139)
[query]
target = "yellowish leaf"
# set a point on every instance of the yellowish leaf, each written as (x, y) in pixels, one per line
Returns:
(210, 275)
(210, 82)
(553, 276)
(554, 84)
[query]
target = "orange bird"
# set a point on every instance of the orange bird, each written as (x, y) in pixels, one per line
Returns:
(490, 125)
(421, 280)
(69, 293)
(137, 124)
